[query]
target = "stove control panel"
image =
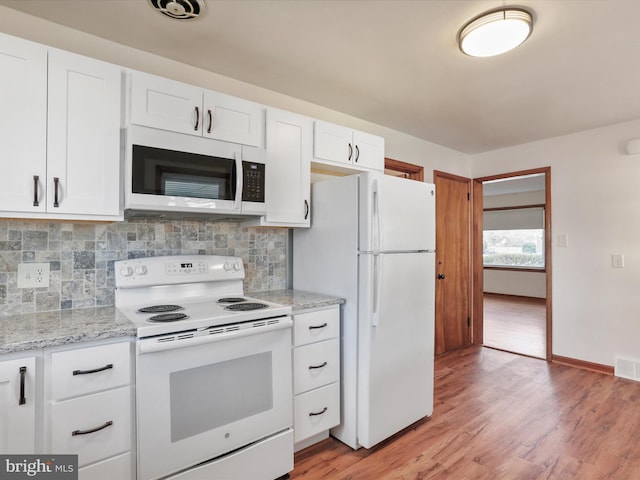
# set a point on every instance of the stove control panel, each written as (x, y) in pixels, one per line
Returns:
(186, 268)
(175, 269)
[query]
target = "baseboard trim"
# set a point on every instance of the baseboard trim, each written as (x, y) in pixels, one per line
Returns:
(573, 362)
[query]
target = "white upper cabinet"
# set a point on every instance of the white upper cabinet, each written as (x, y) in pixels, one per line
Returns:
(162, 103)
(339, 146)
(83, 143)
(23, 124)
(60, 132)
(232, 119)
(287, 190)
(287, 157)
(169, 105)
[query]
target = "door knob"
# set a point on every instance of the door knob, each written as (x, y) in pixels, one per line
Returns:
(441, 276)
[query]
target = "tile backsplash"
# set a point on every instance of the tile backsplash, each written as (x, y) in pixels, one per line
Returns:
(81, 256)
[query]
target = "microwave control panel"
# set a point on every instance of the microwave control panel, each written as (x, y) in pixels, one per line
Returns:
(253, 181)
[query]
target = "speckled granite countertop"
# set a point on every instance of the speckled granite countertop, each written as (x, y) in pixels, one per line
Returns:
(46, 329)
(298, 300)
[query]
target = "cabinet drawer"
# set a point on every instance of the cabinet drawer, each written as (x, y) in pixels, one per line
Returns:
(316, 326)
(119, 468)
(88, 413)
(316, 365)
(316, 411)
(91, 369)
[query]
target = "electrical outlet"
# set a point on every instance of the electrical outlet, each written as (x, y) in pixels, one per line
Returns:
(33, 275)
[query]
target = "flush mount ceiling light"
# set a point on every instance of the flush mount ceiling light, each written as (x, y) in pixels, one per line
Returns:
(495, 32)
(179, 9)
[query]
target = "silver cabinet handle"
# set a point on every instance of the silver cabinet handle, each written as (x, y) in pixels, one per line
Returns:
(93, 430)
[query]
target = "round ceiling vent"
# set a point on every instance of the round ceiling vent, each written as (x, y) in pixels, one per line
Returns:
(179, 9)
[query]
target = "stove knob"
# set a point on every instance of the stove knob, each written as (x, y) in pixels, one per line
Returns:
(227, 265)
(141, 270)
(126, 271)
(237, 266)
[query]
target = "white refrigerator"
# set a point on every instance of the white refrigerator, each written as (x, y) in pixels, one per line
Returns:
(372, 242)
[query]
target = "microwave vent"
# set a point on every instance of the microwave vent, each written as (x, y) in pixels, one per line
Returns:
(179, 9)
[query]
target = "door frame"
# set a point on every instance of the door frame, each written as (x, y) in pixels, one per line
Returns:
(478, 268)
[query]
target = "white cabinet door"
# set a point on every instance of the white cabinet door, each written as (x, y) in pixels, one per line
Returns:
(166, 104)
(23, 124)
(232, 119)
(83, 143)
(332, 142)
(287, 190)
(341, 146)
(369, 151)
(17, 406)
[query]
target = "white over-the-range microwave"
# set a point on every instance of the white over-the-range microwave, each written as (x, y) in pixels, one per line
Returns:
(175, 175)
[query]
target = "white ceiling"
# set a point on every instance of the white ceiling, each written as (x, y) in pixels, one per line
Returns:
(396, 62)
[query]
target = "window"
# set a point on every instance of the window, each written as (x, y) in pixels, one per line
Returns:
(514, 237)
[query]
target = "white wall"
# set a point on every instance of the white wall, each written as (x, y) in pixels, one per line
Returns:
(397, 144)
(507, 282)
(595, 200)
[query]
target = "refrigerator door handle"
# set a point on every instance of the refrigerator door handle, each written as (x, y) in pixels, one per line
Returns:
(376, 233)
(377, 280)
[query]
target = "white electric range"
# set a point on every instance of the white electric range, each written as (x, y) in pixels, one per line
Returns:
(213, 370)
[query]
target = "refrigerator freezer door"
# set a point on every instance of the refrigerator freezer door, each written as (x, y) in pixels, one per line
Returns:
(396, 333)
(396, 214)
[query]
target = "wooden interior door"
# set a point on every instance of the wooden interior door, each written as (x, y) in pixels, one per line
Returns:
(453, 262)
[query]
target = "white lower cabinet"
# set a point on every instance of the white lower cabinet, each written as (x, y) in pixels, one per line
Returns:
(88, 407)
(18, 405)
(316, 374)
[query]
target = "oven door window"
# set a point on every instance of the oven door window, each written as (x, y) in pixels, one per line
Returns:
(208, 397)
(157, 171)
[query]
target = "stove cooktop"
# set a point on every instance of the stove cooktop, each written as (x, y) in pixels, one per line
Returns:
(199, 313)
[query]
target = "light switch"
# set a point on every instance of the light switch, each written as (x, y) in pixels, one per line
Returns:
(563, 240)
(617, 260)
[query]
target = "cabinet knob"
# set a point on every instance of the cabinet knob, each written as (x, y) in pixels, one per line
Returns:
(126, 271)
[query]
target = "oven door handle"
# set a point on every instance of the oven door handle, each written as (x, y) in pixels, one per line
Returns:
(208, 335)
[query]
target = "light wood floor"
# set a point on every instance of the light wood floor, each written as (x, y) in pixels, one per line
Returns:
(502, 416)
(515, 324)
